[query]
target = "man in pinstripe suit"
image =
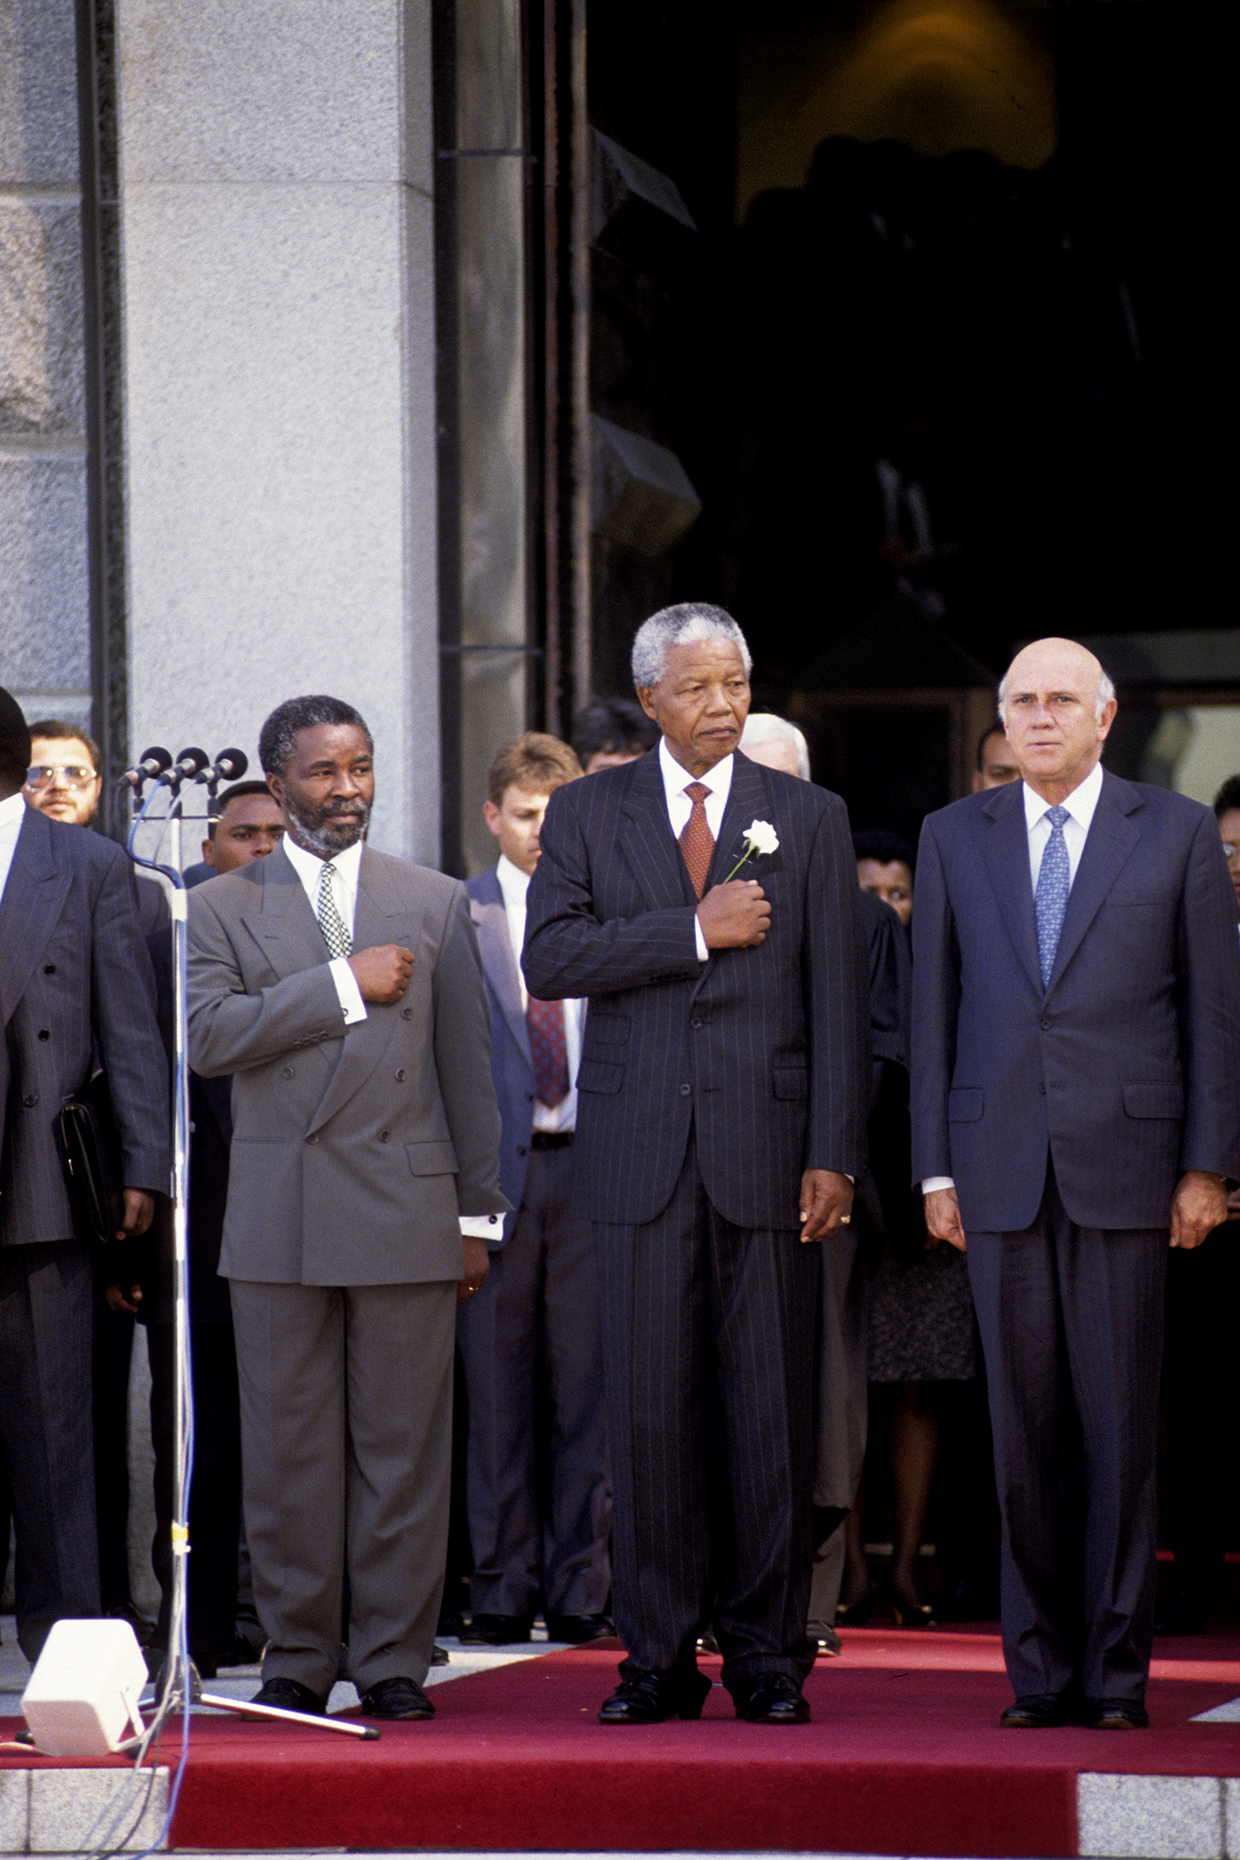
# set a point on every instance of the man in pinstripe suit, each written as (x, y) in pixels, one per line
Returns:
(721, 1110)
(76, 986)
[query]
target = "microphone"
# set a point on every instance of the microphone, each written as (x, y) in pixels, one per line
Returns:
(230, 765)
(150, 767)
(189, 767)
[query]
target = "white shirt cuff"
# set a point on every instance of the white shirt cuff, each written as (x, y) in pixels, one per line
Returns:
(933, 1183)
(703, 953)
(351, 1003)
(482, 1226)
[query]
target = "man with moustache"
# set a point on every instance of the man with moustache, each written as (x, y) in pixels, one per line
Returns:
(1076, 1066)
(721, 1103)
(342, 989)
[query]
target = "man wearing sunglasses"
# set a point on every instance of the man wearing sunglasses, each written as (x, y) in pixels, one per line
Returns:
(63, 780)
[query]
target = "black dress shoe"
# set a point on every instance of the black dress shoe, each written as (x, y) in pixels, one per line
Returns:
(773, 1698)
(396, 1698)
(289, 1695)
(1035, 1711)
(1114, 1715)
(496, 1631)
(576, 1630)
(652, 1698)
(824, 1637)
(439, 1655)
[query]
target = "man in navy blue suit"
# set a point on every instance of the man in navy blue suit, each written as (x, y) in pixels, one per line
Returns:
(721, 1104)
(538, 1485)
(1076, 1067)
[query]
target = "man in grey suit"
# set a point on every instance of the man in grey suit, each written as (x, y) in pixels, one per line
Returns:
(1076, 1068)
(721, 1113)
(76, 990)
(342, 989)
(539, 1489)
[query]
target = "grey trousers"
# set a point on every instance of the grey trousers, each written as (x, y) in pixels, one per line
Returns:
(346, 1436)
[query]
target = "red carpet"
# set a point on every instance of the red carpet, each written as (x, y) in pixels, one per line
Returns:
(904, 1756)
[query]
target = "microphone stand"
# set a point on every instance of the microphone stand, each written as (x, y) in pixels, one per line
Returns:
(181, 1685)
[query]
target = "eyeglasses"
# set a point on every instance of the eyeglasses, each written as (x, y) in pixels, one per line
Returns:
(71, 774)
(1230, 852)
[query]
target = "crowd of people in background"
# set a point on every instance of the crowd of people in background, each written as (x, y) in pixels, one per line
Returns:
(573, 1501)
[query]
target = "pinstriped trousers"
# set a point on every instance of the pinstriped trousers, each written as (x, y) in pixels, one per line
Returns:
(708, 1333)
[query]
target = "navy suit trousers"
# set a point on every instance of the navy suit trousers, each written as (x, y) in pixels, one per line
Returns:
(708, 1344)
(1071, 1320)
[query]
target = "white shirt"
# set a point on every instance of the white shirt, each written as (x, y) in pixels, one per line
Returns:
(514, 886)
(679, 806)
(347, 873)
(12, 813)
(347, 867)
(1081, 804)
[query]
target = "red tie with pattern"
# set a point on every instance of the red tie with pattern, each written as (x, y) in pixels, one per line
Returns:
(697, 842)
(549, 1050)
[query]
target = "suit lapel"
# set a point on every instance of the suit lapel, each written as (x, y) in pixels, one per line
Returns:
(286, 925)
(383, 915)
(34, 896)
(1109, 844)
(748, 801)
(491, 923)
(646, 840)
(1005, 851)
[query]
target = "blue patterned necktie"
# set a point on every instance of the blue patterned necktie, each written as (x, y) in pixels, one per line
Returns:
(1050, 900)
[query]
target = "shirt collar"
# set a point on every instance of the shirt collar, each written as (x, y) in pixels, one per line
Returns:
(513, 883)
(1080, 803)
(676, 779)
(308, 866)
(12, 810)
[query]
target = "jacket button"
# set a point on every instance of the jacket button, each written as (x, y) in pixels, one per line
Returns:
(289, 1073)
(522, 1149)
(685, 1090)
(406, 1013)
(696, 1024)
(31, 1100)
(384, 1135)
(49, 968)
(44, 1034)
(1046, 1026)
(311, 1139)
(400, 1075)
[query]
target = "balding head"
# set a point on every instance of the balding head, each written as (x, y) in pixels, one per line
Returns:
(1057, 704)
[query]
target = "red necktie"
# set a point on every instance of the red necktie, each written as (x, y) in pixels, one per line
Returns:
(697, 842)
(549, 1050)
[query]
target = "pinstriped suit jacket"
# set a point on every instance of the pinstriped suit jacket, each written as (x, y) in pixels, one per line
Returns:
(75, 976)
(763, 1052)
(1126, 1069)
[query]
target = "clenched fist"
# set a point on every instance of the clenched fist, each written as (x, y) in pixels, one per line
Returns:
(383, 973)
(735, 915)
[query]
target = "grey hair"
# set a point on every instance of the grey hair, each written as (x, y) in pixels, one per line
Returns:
(763, 726)
(681, 625)
(277, 738)
(1106, 691)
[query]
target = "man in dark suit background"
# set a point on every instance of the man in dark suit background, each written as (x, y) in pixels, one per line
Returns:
(1076, 1062)
(539, 1490)
(342, 990)
(721, 1110)
(76, 989)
